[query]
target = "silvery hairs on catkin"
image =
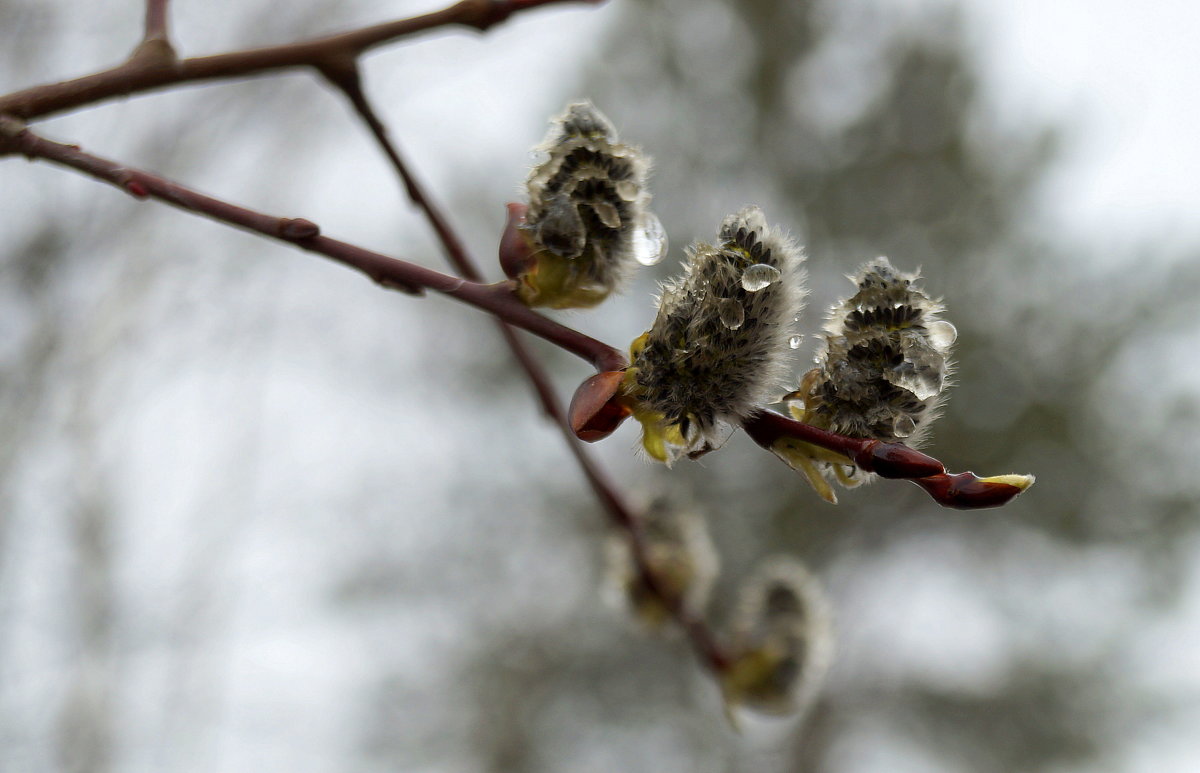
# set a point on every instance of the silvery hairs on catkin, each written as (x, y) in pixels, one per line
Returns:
(884, 366)
(588, 201)
(718, 349)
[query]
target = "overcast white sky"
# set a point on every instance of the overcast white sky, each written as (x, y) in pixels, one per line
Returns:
(1124, 80)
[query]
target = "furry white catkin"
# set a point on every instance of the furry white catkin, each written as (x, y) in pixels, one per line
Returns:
(718, 349)
(883, 367)
(588, 218)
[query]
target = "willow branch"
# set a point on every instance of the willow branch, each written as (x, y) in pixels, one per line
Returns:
(141, 72)
(348, 80)
(962, 491)
(496, 299)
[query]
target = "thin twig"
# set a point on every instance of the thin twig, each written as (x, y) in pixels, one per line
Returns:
(496, 299)
(141, 73)
(962, 491)
(156, 20)
(347, 79)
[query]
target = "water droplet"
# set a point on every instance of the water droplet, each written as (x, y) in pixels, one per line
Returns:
(627, 190)
(607, 213)
(904, 426)
(731, 312)
(758, 276)
(942, 334)
(923, 382)
(795, 341)
(649, 240)
(713, 439)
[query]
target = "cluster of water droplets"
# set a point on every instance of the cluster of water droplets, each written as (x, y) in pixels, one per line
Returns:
(923, 371)
(753, 279)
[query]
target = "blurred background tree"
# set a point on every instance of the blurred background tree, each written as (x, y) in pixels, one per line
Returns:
(255, 514)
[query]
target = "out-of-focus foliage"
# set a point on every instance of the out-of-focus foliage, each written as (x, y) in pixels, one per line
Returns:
(256, 514)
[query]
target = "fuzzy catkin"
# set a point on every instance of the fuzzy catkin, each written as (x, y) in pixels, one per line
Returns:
(782, 639)
(680, 553)
(588, 203)
(718, 348)
(884, 366)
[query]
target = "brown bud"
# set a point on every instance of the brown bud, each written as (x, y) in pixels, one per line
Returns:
(596, 409)
(967, 491)
(296, 228)
(516, 257)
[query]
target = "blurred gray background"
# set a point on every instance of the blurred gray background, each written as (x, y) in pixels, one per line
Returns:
(258, 515)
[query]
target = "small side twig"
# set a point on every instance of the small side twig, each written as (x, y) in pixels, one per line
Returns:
(142, 73)
(156, 20)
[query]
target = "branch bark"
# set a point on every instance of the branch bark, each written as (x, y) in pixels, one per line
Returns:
(142, 72)
(496, 299)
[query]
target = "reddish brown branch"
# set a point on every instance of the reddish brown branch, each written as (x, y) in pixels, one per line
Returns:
(347, 79)
(145, 73)
(888, 460)
(962, 491)
(344, 75)
(496, 299)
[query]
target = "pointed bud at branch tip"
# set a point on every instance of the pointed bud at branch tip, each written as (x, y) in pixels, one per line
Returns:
(967, 491)
(596, 410)
(1012, 479)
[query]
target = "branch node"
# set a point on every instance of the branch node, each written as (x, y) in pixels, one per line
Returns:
(389, 283)
(482, 14)
(129, 182)
(154, 53)
(297, 229)
(341, 70)
(11, 129)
